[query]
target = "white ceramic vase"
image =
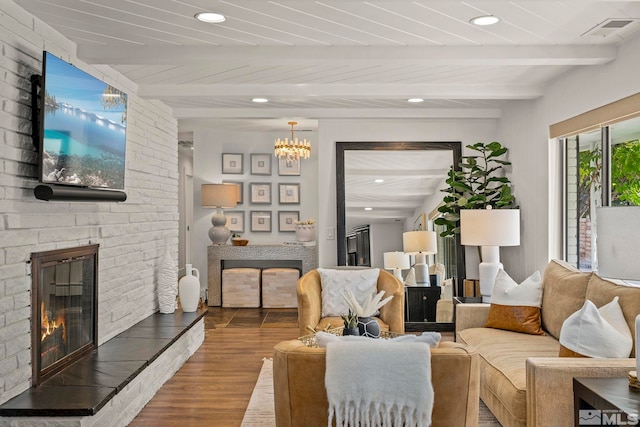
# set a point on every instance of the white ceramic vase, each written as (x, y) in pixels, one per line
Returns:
(167, 283)
(189, 289)
(305, 232)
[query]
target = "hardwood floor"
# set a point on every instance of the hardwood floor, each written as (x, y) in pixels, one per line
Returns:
(214, 387)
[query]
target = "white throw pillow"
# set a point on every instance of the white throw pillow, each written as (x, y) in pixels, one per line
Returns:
(601, 333)
(335, 283)
(507, 292)
(516, 307)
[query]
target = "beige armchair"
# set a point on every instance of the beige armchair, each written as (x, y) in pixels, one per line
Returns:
(309, 290)
(301, 399)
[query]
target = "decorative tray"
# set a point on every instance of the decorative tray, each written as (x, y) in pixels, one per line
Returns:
(310, 340)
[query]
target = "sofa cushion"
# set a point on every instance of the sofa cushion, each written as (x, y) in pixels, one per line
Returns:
(362, 283)
(564, 292)
(502, 365)
(602, 291)
(597, 332)
(516, 307)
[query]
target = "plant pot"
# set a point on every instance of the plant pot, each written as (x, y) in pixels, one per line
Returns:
(368, 327)
(351, 331)
(305, 232)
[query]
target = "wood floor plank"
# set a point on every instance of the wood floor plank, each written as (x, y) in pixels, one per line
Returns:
(214, 387)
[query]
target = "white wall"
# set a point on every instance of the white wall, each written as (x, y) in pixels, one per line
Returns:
(524, 129)
(209, 144)
(384, 238)
(468, 131)
(131, 234)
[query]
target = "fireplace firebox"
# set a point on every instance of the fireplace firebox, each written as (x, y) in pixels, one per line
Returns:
(64, 307)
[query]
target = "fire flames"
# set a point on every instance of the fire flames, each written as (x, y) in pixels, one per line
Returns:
(48, 326)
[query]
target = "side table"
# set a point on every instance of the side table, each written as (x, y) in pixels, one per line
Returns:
(605, 401)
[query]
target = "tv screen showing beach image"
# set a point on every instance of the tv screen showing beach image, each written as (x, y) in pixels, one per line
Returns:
(85, 123)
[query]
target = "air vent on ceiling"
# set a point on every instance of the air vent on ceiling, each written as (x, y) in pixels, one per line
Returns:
(611, 26)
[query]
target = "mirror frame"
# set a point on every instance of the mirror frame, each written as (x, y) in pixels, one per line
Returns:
(341, 147)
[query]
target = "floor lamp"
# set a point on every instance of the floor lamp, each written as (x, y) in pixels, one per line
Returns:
(396, 261)
(420, 244)
(219, 196)
(489, 229)
(617, 237)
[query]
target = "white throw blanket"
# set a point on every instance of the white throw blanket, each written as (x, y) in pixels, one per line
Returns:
(379, 383)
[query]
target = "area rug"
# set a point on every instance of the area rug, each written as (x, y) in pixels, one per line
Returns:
(261, 413)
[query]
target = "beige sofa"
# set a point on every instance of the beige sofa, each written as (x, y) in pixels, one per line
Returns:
(522, 379)
(301, 399)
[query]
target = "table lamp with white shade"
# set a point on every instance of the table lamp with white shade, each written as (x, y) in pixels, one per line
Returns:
(420, 244)
(219, 196)
(617, 237)
(396, 261)
(489, 229)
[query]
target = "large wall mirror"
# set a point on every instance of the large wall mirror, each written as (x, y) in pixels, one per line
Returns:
(384, 189)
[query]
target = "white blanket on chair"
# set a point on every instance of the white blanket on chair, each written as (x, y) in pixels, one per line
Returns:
(379, 383)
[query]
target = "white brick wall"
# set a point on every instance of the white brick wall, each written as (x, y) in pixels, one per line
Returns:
(131, 234)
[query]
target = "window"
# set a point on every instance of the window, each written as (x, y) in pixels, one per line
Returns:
(602, 167)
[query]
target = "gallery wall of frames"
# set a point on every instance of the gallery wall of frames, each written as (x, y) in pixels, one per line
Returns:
(269, 192)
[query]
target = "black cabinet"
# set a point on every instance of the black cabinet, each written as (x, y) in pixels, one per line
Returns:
(420, 303)
(359, 247)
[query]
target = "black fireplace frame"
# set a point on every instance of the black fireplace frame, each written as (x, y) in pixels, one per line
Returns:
(39, 260)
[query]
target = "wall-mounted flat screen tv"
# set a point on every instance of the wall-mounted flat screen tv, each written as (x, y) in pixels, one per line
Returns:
(82, 126)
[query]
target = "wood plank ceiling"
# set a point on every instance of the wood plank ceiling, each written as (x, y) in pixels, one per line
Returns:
(341, 59)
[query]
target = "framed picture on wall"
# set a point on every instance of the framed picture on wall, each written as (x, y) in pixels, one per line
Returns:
(235, 221)
(260, 221)
(232, 163)
(261, 164)
(260, 192)
(287, 220)
(240, 186)
(289, 194)
(288, 167)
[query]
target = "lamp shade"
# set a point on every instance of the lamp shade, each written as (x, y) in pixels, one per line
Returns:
(617, 237)
(396, 260)
(490, 227)
(415, 242)
(219, 196)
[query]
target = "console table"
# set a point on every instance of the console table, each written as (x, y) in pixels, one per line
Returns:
(256, 256)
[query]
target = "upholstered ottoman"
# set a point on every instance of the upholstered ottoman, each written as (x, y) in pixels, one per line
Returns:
(241, 287)
(279, 287)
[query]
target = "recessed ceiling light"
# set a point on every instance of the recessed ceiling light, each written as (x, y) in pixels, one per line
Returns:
(260, 100)
(368, 209)
(379, 180)
(415, 100)
(485, 20)
(210, 17)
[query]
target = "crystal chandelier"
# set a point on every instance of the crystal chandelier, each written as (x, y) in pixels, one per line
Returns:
(293, 149)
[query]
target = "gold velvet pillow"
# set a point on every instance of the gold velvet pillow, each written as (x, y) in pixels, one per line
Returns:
(516, 307)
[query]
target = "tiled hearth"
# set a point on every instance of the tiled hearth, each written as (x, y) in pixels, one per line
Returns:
(110, 385)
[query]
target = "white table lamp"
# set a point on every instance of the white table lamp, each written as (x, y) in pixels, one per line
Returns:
(396, 261)
(219, 196)
(489, 229)
(617, 237)
(420, 244)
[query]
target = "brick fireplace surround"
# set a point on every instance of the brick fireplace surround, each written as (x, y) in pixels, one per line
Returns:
(132, 236)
